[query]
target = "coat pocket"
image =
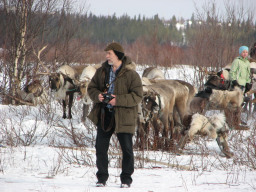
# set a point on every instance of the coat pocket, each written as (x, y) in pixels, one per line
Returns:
(128, 116)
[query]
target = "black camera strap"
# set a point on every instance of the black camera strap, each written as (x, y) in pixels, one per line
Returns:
(103, 113)
(107, 85)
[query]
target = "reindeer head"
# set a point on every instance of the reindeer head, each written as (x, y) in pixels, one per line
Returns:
(35, 87)
(55, 81)
(213, 80)
(150, 104)
(82, 88)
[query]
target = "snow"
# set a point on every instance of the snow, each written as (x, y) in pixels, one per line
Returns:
(38, 154)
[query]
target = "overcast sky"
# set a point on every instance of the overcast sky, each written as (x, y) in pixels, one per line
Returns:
(164, 8)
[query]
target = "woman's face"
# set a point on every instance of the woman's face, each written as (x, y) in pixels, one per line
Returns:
(244, 54)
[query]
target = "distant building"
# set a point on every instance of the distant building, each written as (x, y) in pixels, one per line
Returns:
(184, 25)
(180, 26)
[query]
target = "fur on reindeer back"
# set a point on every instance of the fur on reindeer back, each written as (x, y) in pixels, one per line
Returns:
(224, 99)
(214, 127)
(209, 126)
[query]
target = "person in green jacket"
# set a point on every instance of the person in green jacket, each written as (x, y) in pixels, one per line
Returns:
(116, 91)
(239, 76)
(240, 70)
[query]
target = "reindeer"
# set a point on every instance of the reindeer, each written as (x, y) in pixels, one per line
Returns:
(214, 127)
(166, 95)
(62, 84)
(68, 80)
(217, 100)
(153, 76)
(143, 118)
(71, 79)
(33, 93)
(85, 79)
(153, 73)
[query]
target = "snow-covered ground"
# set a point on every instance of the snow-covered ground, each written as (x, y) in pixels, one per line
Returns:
(39, 153)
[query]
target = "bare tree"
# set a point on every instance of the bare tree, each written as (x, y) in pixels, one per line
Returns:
(23, 23)
(215, 41)
(25, 31)
(67, 47)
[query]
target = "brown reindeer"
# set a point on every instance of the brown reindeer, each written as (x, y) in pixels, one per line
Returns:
(167, 95)
(144, 121)
(35, 88)
(151, 76)
(153, 73)
(33, 94)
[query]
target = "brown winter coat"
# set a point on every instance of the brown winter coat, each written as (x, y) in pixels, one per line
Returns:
(128, 91)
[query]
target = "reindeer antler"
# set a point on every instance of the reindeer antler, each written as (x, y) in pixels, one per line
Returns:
(39, 59)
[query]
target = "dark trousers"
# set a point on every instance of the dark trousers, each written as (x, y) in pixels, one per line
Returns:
(102, 146)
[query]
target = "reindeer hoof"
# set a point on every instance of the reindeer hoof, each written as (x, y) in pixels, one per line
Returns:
(228, 154)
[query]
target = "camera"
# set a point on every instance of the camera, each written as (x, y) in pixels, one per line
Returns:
(107, 97)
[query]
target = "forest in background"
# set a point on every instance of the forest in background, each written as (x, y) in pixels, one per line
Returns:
(49, 31)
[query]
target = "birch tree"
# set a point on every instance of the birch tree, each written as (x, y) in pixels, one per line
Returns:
(25, 29)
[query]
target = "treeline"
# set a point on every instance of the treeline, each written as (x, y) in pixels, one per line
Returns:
(124, 29)
(103, 29)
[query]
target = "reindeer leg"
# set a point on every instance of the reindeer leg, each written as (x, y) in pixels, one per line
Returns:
(141, 136)
(223, 145)
(250, 107)
(245, 106)
(254, 103)
(254, 107)
(182, 142)
(71, 96)
(85, 112)
(64, 109)
(157, 142)
(146, 135)
(177, 125)
(171, 142)
(168, 140)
